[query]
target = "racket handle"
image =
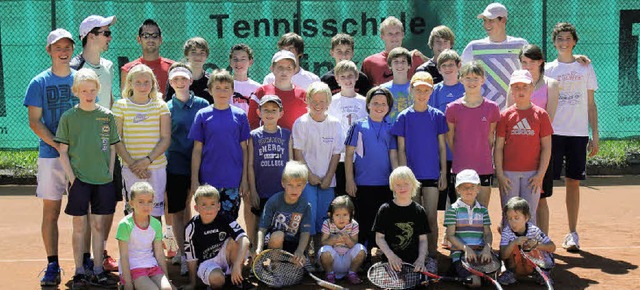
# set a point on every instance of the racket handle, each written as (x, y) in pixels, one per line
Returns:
(330, 286)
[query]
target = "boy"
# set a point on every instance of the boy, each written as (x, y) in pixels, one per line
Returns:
(376, 67)
(468, 224)
(270, 148)
(44, 115)
(399, 61)
(240, 60)
(342, 49)
(87, 134)
(523, 145)
(286, 219)
(576, 113)
(183, 107)
(215, 244)
(283, 65)
(219, 154)
(301, 78)
(440, 39)
(196, 51)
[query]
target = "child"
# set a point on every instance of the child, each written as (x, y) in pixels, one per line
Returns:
(348, 107)
(376, 155)
(220, 134)
(86, 136)
(240, 60)
(286, 220)
(519, 232)
(183, 107)
(342, 49)
(196, 51)
(421, 133)
(576, 113)
(270, 148)
(523, 145)
(341, 255)
(318, 142)
(301, 78)
(441, 38)
(215, 244)
(283, 65)
(468, 225)
(399, 61)
(472, 123)
(140, 243)
(402, 225)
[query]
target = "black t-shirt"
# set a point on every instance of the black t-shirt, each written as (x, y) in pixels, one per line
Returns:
(362, 83)
(432, 69)
(204, 241)
(402, 227)
(198, 87)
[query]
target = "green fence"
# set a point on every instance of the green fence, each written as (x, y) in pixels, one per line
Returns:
(608, 32)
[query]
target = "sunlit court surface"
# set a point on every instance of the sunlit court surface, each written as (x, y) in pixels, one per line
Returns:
(609, 227)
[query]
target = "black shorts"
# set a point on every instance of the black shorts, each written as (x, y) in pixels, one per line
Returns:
(485, 179)
(341, 181)
(117, 180)
(570, 151)
(450, 191)
(100, 196)
(424, 183)
(547, 181)
(177, 191)
(258, 211)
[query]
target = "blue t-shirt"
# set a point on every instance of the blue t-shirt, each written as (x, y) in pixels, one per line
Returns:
(292, 219)
(421, 130)
(401, 99)
(221, 132)
(443, 95)
(53, 94)
(270, 154)
(373, 141)
(182, 115)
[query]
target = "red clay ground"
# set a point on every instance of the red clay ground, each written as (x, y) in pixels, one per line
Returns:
(609, 231)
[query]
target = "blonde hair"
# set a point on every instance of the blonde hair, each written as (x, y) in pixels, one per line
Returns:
(345, 66)
(295, 170)
(221, 76)
(140, 187)
(135, 71)
(390, 21)
(318, 87)
(84, 75)
(404, 173)
(443, 32)
(206, 191)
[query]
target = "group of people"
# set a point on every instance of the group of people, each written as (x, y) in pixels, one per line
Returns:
(327, 168)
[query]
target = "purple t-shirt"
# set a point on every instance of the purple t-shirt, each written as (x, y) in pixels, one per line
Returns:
(221, 132)
(373, 142)
(471, 137)
(270, 154)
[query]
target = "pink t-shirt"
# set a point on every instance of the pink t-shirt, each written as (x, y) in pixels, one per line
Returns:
(471, 136)
(522, 130)
(540, 96)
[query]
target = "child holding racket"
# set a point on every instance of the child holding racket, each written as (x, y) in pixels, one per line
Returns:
(521, 233)
(341, 255)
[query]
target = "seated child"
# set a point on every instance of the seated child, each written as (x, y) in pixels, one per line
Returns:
(286, 219)
(520, 232)
(401, 225)
(215, 244)
(468, 233)
(341, 254)
(142, 262)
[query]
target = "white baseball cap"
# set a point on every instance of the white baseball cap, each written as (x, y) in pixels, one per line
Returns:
(521, 76)
(467, 176)
(283, 54)
(94, 21)
(493, 11)
(58, 34)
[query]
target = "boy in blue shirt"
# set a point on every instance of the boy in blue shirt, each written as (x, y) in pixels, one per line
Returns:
(399, 61)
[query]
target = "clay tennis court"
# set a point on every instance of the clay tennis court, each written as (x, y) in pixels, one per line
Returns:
(609, 230)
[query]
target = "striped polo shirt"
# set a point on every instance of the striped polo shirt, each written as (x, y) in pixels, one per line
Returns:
(469, 222)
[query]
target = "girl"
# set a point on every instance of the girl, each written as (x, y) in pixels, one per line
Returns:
(341, 254)
(142, 262)
(144, 124)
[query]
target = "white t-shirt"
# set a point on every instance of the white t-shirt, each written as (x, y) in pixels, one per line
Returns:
(318, 141)
(302, 79)
(348, 110)
(139, 241)
(572, 114)
(245, 88)
(105, 73)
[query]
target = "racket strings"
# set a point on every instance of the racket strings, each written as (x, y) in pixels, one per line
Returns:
(277, 270)
(383, 276)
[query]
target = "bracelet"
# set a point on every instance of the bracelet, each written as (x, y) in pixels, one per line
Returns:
(150, 160)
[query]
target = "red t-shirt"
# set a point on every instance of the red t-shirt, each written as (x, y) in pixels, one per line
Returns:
(376, 68)
(293, 103)
(160, 68)
(522, 130)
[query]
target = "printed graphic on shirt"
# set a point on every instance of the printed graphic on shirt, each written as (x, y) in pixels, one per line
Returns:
(499, 61)
(59, 99)
(404, 237)
(523, 128)
(271, 151)
(287, 222)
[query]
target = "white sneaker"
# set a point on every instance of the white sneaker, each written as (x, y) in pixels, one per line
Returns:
(184, 269)
(571, 242)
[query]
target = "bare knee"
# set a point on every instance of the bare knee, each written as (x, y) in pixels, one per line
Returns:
(216, 279)
(276, 241)
(326, 257)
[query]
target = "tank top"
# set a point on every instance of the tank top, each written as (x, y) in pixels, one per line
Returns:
(539, 96)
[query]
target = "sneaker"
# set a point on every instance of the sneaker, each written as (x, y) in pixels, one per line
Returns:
(540, 280)
(103, 280)
(353, 278)
(431, 265)
(184, 269)
(109, 264)
(572, 242)
(79, 281)
(87, 264)
(507, 278)
(330, 277)
(51, 275)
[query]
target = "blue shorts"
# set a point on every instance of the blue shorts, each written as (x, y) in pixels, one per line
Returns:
(320, 200)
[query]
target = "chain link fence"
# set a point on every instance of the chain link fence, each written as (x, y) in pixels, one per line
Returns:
(608, 33)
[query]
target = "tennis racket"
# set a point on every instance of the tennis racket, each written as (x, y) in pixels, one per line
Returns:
(536, 259)
(483, 270)
(277, 268)
(383, 276)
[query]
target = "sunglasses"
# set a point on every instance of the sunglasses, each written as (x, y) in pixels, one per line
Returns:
(147, 35)
(106, 33)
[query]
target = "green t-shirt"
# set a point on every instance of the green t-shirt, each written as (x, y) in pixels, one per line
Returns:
(89, 135)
